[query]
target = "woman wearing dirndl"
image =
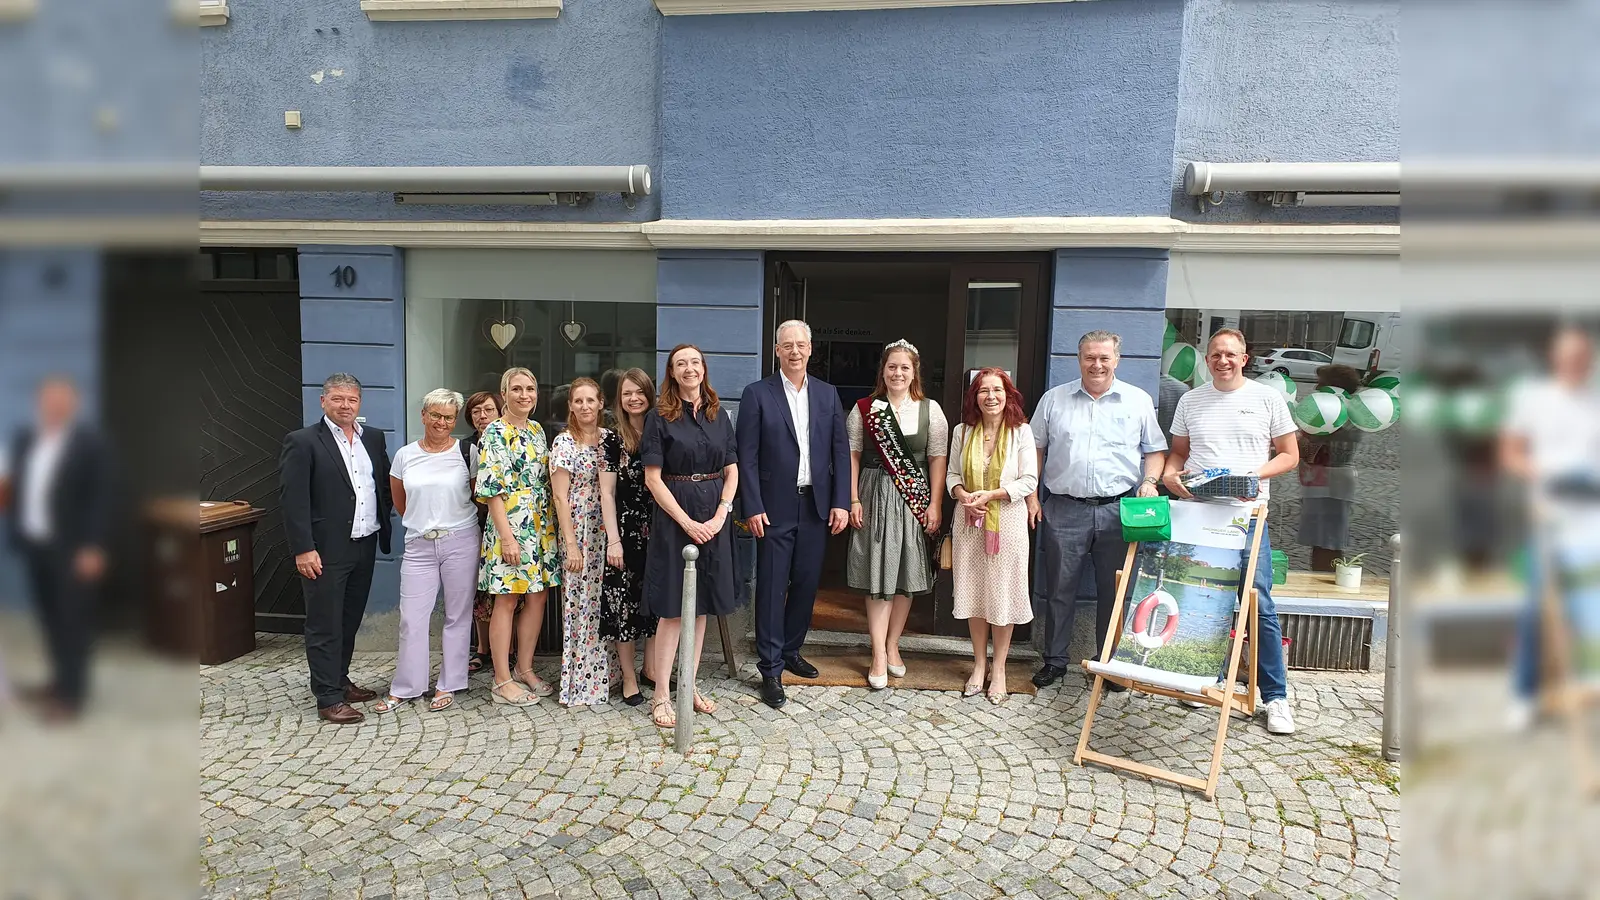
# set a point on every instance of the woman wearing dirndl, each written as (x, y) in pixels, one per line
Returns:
(898, 441)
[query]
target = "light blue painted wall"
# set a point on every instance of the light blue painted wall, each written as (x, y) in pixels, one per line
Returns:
(97, 80)
(580, 89)
(49, 325)
(712, 299)
(1287, 81)
(1123, 291)
(1041, 109)
(361, 330)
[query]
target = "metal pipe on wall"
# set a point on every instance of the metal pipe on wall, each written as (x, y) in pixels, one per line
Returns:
(437, 179)
(1201, 178)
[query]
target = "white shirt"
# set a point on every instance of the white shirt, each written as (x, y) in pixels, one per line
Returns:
(1095, 448)
(1232, 429)
(437, 493)
(800, 410)
(1561, 426)
(39, 468)
(358, 465)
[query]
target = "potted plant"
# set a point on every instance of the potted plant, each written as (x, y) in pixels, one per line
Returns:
(1347, 572)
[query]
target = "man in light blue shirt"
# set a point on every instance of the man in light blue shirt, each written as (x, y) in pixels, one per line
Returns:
(1098, 442)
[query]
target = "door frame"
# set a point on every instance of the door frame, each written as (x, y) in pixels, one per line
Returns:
(1034, 270)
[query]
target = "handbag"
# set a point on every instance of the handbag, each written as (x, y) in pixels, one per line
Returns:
(1146, 519)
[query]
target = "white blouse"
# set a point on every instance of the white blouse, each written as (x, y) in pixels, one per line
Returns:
(938, 428)
(1019, 477)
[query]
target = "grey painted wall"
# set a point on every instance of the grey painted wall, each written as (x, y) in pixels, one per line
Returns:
(1287, 81)
(580, 89)
(1042, 109)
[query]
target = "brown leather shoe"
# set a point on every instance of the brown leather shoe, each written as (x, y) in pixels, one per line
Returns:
(340, 714)
(353, 694)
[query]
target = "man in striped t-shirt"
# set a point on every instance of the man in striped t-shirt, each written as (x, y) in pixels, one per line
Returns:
(1235, 423)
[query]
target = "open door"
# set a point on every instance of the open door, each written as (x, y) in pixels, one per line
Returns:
(788, 302)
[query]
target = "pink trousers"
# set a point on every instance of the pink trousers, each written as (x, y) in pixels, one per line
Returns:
(450, 563)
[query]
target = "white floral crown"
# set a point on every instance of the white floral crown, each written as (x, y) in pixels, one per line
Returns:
(901, 344)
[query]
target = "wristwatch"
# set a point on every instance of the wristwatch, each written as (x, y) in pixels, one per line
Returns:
(1151, 479)
(727, 505)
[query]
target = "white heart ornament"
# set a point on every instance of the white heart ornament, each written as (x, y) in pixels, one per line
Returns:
(573, 331)
(502, 333)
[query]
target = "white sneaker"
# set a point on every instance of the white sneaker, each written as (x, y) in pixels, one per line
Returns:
(1279, 719)
(1520, 716)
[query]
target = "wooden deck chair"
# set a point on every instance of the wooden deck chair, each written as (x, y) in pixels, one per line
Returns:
(1152, 679)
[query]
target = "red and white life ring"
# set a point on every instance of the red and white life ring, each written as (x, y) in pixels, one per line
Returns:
(1144, 616)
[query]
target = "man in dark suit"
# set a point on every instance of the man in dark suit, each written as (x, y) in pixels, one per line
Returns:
(794, 465)
(336, 512)
(55, 487)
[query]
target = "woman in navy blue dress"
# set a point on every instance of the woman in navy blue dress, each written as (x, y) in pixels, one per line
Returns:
(691, 469)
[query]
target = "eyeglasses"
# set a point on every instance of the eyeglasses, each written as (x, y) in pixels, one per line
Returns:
(440, 417)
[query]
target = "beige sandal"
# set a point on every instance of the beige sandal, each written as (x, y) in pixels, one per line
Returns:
(661, 713)
(526, 698)
(537, 685)
(702, 705)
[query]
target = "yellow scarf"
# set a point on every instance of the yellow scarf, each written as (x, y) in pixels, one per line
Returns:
(976, 476)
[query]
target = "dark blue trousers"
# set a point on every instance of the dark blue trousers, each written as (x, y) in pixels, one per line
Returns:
(788, 567)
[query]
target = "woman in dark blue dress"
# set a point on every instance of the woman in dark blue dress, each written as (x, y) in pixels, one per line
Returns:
(690, 466)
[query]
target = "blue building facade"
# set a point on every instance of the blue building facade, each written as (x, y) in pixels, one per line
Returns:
(991, 180)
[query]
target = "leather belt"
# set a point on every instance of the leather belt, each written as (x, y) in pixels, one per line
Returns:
(714, 476)
(1101, 501)
(434, 534)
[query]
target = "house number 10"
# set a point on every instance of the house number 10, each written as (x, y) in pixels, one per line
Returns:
(344, 276)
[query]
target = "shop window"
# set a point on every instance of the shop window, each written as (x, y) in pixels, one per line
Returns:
(1344, 499)
(558, 340)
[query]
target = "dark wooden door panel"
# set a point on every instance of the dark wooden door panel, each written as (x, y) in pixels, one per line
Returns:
(250, 389)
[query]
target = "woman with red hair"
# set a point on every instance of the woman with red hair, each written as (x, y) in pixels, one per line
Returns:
(993, 470)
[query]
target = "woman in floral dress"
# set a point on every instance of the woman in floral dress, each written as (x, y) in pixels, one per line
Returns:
(576, 461)
(628, 510)
(519, 548)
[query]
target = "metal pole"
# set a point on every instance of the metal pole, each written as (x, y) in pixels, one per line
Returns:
(1392, 709)
(686, 660)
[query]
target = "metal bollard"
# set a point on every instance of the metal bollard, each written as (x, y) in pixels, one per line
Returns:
(685, 729)
(1392, 704)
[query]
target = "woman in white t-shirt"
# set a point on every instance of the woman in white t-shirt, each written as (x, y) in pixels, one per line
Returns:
(430, 483)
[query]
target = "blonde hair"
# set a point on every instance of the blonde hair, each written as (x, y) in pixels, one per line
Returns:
(505, 380)
(443, 397)
(583, 381)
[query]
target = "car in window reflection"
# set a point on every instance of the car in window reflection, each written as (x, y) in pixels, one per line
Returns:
(1296, 362)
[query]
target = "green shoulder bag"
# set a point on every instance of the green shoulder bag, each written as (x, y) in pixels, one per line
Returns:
(1146, 519)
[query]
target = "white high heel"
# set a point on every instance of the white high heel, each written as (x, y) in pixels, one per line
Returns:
(877, 682)
(897, 671)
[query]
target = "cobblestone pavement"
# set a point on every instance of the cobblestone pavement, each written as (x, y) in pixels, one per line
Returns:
(845, 793)
(1493, 813)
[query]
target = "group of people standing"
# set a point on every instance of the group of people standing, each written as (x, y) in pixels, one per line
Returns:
(603, 513)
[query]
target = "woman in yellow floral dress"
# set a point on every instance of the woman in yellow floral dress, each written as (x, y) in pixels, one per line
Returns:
(520, 562)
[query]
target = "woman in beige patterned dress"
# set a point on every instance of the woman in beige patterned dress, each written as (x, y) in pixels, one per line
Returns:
(993, 470)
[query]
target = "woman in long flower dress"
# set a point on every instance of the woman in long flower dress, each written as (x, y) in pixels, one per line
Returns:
(577, 459)
(628, 510)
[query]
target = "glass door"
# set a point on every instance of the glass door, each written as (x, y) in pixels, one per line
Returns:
(998, 316)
